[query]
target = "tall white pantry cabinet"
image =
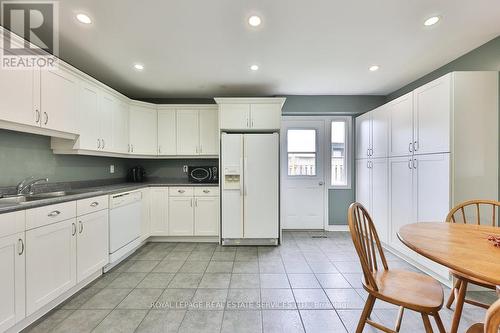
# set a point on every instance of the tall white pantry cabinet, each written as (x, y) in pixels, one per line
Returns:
(425, 152)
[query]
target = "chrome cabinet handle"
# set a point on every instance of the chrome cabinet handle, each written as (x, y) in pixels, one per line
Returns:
(181, 191)
(37, 119)
(103, 143)
(54, 213)
(159, 149)
(414, 163)
(409, 163)
(195, 202)
(94, 204)
(368, 152)
(128, 148)
(46, 118)
(21, 243)
(98, 143)
(132, 147)
(73, 227)
(81, 227)
(248, 122)
(415, 145)
(410, 147)
(206, 191)
(252, 123)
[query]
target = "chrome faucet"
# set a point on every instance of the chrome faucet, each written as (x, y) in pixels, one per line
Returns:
(28, 183)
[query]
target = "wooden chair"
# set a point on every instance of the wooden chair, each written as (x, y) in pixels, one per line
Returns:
(491, 322)
(408, 290)
(458, 292)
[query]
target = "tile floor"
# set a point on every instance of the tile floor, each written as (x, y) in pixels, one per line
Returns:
(307, 284)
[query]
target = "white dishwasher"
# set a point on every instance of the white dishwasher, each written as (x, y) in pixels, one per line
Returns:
(124, 223)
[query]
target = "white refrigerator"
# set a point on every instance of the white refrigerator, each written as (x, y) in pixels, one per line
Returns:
(250, 188)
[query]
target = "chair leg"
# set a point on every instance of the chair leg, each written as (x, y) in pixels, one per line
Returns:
(439, 322)
(400, 318)
(451, 298)
(427, 323)
(367, 310)
(458, 307)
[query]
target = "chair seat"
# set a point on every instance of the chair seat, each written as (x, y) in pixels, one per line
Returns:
(411, 290)
(476, 328)
(473, 280)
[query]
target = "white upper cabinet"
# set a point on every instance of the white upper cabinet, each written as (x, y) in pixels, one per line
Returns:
(363, 135)
(120, 123)
(401, 125)
(209, 132)
(253, 114)
(107, 106)
(17, 96)
(265, 116)
(234, 116)
(89, 117)
(167, 134)
(188, 132)
(380, 132)
(143, 129)
(59, 92)
(432, 117)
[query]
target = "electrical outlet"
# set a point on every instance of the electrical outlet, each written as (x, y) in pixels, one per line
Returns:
(111, 168)
(185, 168)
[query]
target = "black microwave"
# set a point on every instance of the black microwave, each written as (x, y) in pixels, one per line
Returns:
(203, 174)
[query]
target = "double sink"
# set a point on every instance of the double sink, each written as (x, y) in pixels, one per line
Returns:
(23, 199)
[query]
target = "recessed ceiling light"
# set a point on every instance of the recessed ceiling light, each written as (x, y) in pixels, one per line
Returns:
(374, 68)
(254, 21)
(254, 67)
(432, 20)
(83, 18)
(139, 67)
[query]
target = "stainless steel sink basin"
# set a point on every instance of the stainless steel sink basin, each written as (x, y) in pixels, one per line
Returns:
(48, 195)
(23, 199)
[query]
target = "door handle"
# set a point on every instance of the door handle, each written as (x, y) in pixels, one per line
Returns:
(410, 147)
(206, 191)
(414, 163)
(21, 243)
(415, 145)
(103, 143)
(37, 119)
(321, 183)
(54, 213)
(252, 123)
(409, 163)
(73, 227)
(46, 118)
(81, 227)
(98, 143)
(94, 204)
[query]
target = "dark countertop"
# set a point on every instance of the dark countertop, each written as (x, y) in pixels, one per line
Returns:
(89, 192)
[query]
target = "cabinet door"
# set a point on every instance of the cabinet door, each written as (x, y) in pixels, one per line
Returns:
(432, 116)
(380, 131)
(59, 99)
(265, 116)
(209, 132)
(363, 135)
(143, 126)
(17, 103)
(159, 211)
(146, 214)
(92, 244)
(400, 199)
(12, 280)
(401, 125)
(50, 263)
(234, 116)
(89, 117)
(380, 196)
(187, 132)
(120, 136)
(167, 134)
(206, 216)
(107, 106)
(363, 183)
(180, 216)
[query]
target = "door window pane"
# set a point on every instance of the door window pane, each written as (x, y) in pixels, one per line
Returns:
(301, 149)
(338, 153)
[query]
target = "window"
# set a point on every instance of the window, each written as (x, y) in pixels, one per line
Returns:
(338, 149)
(301, 148)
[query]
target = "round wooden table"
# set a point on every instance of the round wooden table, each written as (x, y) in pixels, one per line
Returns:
(462, 247)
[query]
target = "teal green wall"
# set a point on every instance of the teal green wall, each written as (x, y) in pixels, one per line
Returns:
(23, 155)
(338, 200)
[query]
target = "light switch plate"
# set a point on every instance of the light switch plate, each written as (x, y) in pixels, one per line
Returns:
(111, 168)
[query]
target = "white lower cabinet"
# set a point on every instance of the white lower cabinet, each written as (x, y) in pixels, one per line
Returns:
(180, 216)
(159, 211)
(146, 214)
(206, 216)
(12, 280)
(92, 243)
(50, 263)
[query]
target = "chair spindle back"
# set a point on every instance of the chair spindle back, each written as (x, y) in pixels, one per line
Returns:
(488, 207)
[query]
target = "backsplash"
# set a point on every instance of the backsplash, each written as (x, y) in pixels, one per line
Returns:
(170, 168)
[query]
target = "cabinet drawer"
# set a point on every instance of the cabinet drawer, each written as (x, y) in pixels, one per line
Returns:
(12, 223)
(41, 216)
(181, 191)
(206, 191)
(91, 205)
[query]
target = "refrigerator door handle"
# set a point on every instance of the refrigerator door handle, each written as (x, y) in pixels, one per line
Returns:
(246, 181)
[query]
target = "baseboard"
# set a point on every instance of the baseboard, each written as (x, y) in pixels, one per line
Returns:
(197, 239)
(335, 227)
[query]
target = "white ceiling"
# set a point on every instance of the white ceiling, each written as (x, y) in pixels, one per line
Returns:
(203, 48)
